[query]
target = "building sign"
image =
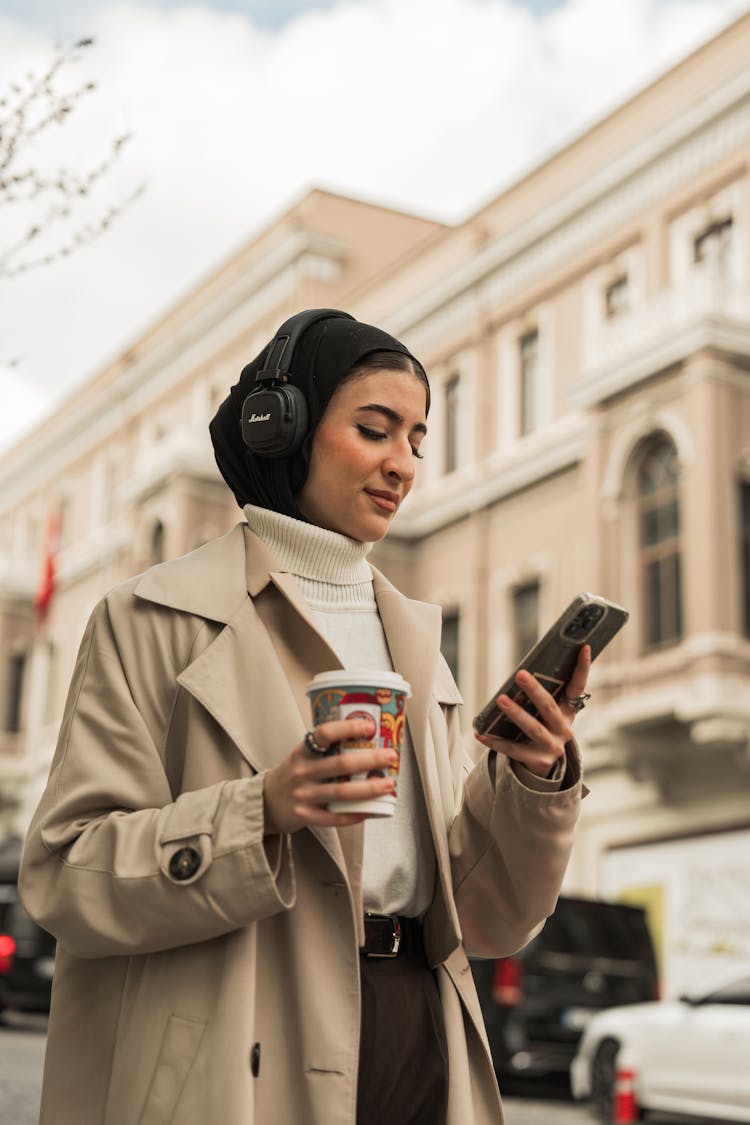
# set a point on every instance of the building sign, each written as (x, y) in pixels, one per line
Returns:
(697, 894)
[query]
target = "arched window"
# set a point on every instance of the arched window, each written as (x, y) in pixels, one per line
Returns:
(659, 524)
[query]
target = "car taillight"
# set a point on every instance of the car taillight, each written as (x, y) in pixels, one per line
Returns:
(507, 983)
(7, 951)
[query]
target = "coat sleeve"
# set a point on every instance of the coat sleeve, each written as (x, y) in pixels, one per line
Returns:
(509, 846)
(114, 863)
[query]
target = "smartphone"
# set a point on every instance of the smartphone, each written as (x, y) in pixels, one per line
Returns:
(588, 620)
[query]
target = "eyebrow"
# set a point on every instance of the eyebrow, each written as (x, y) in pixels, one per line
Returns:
(393, 415)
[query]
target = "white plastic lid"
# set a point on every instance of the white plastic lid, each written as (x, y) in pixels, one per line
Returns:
(359, 677)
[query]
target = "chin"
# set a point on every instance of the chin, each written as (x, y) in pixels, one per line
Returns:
(370, 532)
(375, 535)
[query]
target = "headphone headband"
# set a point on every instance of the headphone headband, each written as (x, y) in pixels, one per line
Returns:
(285, 341)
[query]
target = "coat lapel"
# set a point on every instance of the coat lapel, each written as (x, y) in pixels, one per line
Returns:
(269, 638)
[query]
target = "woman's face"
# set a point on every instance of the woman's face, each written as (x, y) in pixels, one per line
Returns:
(364, 454)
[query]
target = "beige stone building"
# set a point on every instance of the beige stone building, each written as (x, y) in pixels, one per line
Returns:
(587, 334)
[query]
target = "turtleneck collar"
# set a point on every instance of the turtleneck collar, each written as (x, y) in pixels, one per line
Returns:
(309, 551)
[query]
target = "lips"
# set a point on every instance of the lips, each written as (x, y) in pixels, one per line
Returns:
(388, 501)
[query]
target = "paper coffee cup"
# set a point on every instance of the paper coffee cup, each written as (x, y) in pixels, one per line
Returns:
(350, 693)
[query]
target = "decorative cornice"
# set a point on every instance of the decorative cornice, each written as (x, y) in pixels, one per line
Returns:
(676, 324)
(696, 140)
(183, 452)
(664, 688)
(685, 701)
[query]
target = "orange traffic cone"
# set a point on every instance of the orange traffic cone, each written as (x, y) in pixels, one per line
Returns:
(625, 1109)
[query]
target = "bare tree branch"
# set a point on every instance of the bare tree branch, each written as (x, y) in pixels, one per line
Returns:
(34, 106)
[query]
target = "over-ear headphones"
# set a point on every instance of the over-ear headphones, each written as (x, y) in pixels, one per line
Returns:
(275, 417)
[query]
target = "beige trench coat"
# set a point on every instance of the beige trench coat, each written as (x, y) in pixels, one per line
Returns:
(231, 997)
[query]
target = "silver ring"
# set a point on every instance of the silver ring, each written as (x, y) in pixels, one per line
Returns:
(312, 745)
(577, 702)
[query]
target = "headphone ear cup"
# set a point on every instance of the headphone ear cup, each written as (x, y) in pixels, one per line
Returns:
(274, 420)
(298, 419)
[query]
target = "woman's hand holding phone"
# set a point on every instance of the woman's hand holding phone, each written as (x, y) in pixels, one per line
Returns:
(547, 734)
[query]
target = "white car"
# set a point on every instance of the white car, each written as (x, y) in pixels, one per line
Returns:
(689, 1056)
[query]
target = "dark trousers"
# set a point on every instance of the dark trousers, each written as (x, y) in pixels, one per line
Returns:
(403, 1057)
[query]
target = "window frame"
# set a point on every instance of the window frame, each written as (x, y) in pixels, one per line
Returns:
(524, 637)
(663, 623)
(529, 376)
(712, 243)
(452, 614)
(16, 672)
(620, 286)
(451, 423)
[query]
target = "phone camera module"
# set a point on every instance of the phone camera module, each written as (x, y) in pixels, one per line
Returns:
(583, 622)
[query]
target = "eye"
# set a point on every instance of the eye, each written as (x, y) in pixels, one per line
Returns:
(378, 435)
(372, 435)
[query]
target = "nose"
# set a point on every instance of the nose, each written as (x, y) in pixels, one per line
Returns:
(399, 463)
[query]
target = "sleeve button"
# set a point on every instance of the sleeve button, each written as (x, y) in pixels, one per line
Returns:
(255, 1060)
(184, 863)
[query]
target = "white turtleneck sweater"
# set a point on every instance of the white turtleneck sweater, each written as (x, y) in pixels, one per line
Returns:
(336, 581)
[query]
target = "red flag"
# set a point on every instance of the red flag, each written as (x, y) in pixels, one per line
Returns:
(46, 587)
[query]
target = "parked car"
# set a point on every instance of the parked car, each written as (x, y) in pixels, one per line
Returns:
(689, 1056)
(590, 955)
(27, 957)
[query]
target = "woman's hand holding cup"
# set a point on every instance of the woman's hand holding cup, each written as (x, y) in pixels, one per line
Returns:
(297, 790)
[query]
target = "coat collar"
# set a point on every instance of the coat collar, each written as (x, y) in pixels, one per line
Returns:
(208, 582)
(213, 582)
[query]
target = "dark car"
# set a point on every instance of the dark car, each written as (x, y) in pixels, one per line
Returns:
(27, 952)
(590, 955)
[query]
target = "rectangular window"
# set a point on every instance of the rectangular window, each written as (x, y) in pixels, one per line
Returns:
(663, 582)
(449, 641)
(617, 297)
(111, 482)
(450, 445)
(525, 619)
(528, 347)
(745, 554)
(712, 245)
(16, 675)
(660, 533)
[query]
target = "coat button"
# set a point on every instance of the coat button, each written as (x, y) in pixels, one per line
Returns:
(255, 1060)
(184, 863)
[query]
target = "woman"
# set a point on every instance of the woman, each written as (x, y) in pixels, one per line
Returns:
(215, 964)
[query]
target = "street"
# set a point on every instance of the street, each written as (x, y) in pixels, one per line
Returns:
(22, 1050)
(21, 1054)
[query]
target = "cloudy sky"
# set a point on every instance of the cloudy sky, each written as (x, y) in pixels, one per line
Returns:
(237, 107)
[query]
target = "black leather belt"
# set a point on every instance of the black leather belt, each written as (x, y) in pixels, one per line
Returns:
(392, 935)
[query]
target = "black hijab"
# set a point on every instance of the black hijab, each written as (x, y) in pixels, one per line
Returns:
(324, 354)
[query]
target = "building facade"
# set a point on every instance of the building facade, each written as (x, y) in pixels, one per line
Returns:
(587, 335)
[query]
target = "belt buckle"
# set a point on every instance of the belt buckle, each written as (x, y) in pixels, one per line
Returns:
(382, 936)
